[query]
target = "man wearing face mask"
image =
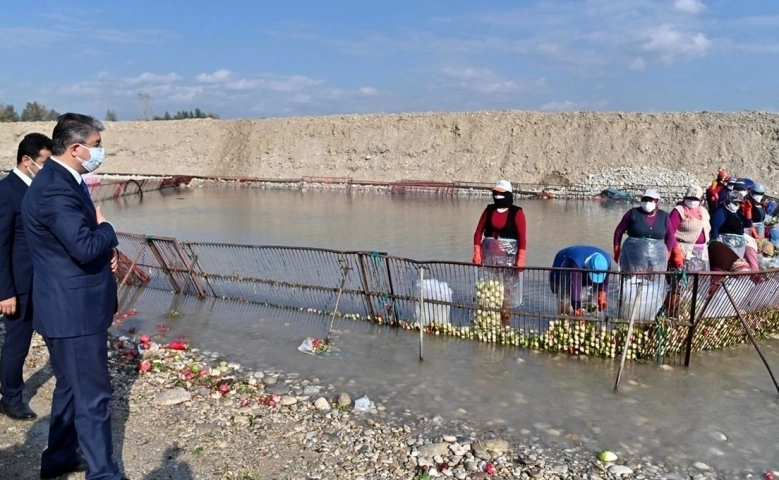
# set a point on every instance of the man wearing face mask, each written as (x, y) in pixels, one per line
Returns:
(500, 239)
(73, 256)
(16, 274)
(650, 236)
(691, 225)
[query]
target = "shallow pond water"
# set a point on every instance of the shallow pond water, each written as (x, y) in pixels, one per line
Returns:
(722, 411)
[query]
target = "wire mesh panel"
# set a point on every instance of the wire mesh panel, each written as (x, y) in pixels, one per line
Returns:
(558, 310)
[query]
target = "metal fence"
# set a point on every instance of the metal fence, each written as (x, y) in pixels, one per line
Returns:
(675, 314)
(112, 188)
(426, 187)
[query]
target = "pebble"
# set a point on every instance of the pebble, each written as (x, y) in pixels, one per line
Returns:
(449, 438)
(174, 396)
(620, 470)
(344, 400)
(287, 400)
(432, 449)
(269, 380)
(701, 466)
(322, 404)
(311, 390)
(471, 466)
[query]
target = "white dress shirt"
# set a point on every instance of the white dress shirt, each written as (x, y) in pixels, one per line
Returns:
(24, 177)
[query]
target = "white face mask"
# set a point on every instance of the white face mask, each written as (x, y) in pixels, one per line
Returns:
(692, 203)
(649, 207)
(32, 175)
(758, 198)
(733, 207)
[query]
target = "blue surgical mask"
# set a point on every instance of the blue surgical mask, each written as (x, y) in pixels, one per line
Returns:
(96, 157)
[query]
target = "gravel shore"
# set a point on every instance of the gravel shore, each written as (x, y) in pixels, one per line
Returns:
(180, 413)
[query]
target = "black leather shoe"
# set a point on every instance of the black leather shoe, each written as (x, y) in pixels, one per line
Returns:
(17, 411)
(78, 466)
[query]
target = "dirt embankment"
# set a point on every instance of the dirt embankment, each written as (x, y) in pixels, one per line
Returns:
(527, 147)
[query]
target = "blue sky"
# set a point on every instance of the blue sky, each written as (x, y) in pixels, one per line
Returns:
(247, 58)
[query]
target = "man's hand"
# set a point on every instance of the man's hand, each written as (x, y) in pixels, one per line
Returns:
(99, 215)
(8, 306)
(114, 260)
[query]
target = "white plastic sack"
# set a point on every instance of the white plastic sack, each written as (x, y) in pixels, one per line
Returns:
(720, 306)
(647, 305)
(433, 289)
(364, 404)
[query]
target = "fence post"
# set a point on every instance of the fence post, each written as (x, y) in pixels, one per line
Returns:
(693, 315)
(421, 308)
(196, 262)
(365, 288)
(163, 264)
(190, 272)
(391, 289)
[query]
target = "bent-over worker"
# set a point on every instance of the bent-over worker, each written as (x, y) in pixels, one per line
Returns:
(569, 285)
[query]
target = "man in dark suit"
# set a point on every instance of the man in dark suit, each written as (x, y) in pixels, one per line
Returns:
(16, 274)
(74, 301)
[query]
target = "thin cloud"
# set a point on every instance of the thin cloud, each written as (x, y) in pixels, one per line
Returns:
(218, 76)
(671, 44)
(484, 80)
(692, 7)
(271, 94)
(571, 106)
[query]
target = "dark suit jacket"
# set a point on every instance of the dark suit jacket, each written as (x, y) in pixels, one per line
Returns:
(75, 291)
(15, 264)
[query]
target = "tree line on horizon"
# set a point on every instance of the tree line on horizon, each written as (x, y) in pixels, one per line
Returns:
(38, 112)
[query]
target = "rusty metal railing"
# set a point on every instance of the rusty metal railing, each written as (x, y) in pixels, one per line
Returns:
(674, 314)
(116, 187)
(571, 191)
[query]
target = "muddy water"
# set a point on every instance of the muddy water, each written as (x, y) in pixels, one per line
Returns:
(722, 411)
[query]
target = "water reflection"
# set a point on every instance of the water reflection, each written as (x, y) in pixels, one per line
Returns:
(423, 228)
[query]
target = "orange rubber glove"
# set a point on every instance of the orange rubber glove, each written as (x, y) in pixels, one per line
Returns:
(616, 253)
(477, 254)
(747, 207)
(602, 301)
(677, 257)
(520, 261)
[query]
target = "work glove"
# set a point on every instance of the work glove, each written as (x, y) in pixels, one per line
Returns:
(747, 207)
(677, 257)
(602, 301)
(616, 253)
(579, 312)
(520, 262)
(477, 254)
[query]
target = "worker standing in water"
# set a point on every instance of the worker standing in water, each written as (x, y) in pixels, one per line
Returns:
(650, 237)
(500, 240)
(691, 225)
(572, 287)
